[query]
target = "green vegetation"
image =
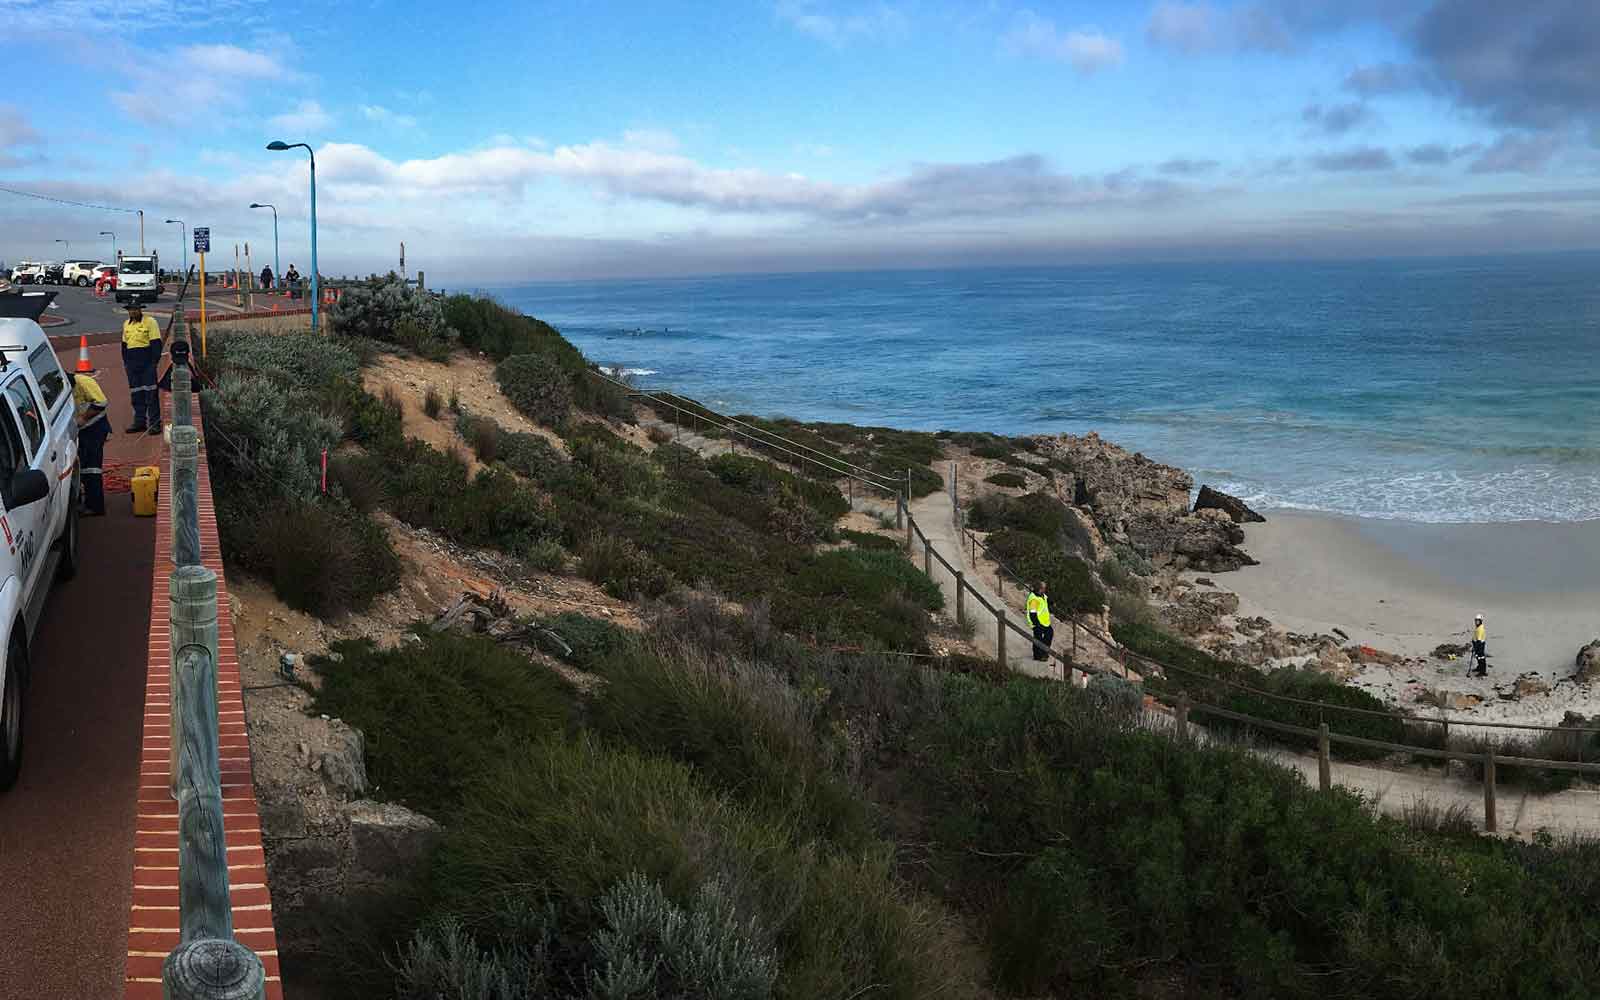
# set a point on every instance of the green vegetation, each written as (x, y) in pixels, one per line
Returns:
(1009, 480)
(484, 325)
(1035, 558)
(388, 310)
(538, 386)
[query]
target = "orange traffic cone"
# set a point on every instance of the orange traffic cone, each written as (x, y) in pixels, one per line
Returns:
(83, 355)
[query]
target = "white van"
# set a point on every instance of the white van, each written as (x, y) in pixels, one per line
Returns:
(39, 492)
(138, 277)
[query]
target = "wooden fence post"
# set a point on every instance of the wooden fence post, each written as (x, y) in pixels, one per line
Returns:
(209, 964)
(1074, 639)
(1182, 720)
(961, 598)
(182, 387)
(1489, 823)
(899, 508)
(193, 601)
(185, 495)
(1324, 765)
(850, 486)
(1000, 623)
(910, 525)
(927, 558)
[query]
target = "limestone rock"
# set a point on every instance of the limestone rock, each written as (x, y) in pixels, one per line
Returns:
(1530, 684)
(1195, 613)
(387, 839)
(1588, 663)
(1457, 701)
(343, 765)
(1237, 511)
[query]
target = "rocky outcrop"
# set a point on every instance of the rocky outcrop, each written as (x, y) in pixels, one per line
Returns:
(1588, 662)
(387, 840)
(1530, 684)
(1236, 509)
(1198, 612)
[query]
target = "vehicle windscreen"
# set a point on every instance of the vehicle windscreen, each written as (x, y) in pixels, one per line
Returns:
(137, 267)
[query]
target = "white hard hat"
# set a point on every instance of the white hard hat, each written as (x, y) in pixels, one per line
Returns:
(1478, 616)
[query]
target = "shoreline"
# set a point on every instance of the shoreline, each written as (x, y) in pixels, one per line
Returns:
(1405, 587)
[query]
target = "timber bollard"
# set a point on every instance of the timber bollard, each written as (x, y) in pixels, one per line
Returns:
(209, 964)
(182, 387)
(185, 495)
(1489, 823)
(193, 603)
(927, 558)
(1324, 765)
(1000, 622)
(1181, 721)
(961, 598)
(910, 525)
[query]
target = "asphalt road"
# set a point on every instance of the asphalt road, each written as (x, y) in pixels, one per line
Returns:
(67, 827)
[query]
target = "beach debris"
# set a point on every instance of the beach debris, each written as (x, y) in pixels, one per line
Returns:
(1530, 684)
(1236, 509)
(1588, 662)
(1457, 701)
(1205, 581)
(1450, 650)
(1341, 633)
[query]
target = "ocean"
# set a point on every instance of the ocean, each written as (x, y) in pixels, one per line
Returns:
(1459, 390)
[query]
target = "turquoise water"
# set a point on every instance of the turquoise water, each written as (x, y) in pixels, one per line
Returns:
(1429, 390)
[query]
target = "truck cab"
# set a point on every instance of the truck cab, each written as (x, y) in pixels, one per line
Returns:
(39, 492)
(138, 277)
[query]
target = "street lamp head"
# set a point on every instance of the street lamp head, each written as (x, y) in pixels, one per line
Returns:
(107, 232)
(257, 204)
(277, 145)
(175, 220)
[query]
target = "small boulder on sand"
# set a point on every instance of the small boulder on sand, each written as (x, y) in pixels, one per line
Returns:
(1530, 684)
(1236, 509)
(1588, 663)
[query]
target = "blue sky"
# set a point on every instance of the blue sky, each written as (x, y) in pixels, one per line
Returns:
(576, 139)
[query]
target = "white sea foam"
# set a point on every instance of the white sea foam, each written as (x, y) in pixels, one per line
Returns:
(626, 372)
(1523, 494)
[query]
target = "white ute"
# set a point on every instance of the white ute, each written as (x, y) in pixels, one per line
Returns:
(138, 277)
(39, 491)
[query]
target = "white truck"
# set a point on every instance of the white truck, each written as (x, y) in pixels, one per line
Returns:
(138, 277)
(39, 491)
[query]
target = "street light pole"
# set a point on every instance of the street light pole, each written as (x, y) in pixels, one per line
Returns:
(276, 269)
(183, 236)
(69, 246)
(107, 232)
(278, 146)
(141, 232)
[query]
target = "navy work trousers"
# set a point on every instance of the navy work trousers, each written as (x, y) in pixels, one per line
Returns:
(91, 455)
(140, 364)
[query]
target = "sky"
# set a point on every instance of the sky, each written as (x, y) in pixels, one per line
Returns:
(576, 139)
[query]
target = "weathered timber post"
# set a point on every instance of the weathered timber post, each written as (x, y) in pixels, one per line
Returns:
(850, 487)
(182, 389)
(1074, 638)
(1324, 765)
(1000, 622)
(927, 558)
(185, 495)
(909, 526)
(899, 508)
(193, 603)
(1182, 719)
(1489, 823)
(209, 964)
(961, 598)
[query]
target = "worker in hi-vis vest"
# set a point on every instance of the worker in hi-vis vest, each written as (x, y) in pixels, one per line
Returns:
(1480, 646)
(1039, 618)
(89, 404)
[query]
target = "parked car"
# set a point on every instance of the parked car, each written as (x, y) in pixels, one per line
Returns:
(52, 273)
(105, 274)
(27, 272)
(39, 489)
(79, 272)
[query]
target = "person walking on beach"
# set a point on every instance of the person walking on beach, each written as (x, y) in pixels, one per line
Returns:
(1039, 618)
(1480, 646)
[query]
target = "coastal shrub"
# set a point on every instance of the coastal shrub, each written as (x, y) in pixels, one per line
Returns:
(395, 313)
(761, 478)
(502, 333)
(431, 489)
(621, 568)
(295, 362)
(1036, 513)
(658, 434)
(564, 820)
(439, 713)
(869, 540)
(267, 436)
(481, 434)
(443, 961)
(547, 554)
(320, 558)
(1009, 480)
(432, 403)
(358, 478)
(592, 639)
(1071, 583)
(538, 386)
(532, 456)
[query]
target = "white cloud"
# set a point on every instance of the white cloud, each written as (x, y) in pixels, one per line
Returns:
(1088, 50)
(232, 61)
(1187, 27)
(306, 117)
(14, 128)
(826, 23)
(164, 87)
(381, 115)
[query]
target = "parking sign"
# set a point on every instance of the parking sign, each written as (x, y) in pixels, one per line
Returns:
(202, 239)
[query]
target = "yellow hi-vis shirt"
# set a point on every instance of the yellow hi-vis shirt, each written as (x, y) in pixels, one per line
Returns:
(1480, 633)
(1039, 606)
(88, 398)
(140, 334)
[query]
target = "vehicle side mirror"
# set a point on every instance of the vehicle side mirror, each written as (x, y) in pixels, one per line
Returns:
(27, 486)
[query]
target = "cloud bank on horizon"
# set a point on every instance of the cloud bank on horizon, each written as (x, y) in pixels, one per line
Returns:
(627, 139)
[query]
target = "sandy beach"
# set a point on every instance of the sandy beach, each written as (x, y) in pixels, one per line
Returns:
(1406, 588)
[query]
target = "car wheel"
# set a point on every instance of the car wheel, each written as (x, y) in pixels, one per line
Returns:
(11, 716)
(67, 568)
(83, 282)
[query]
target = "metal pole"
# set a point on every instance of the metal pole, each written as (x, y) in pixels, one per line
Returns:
(277, 269)
(141, 231)
(315, 288)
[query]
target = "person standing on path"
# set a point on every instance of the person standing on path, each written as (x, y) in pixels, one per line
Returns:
(89, 401)
(266, 278)
(1480, 646)
(1039, 618)
(141, 353)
